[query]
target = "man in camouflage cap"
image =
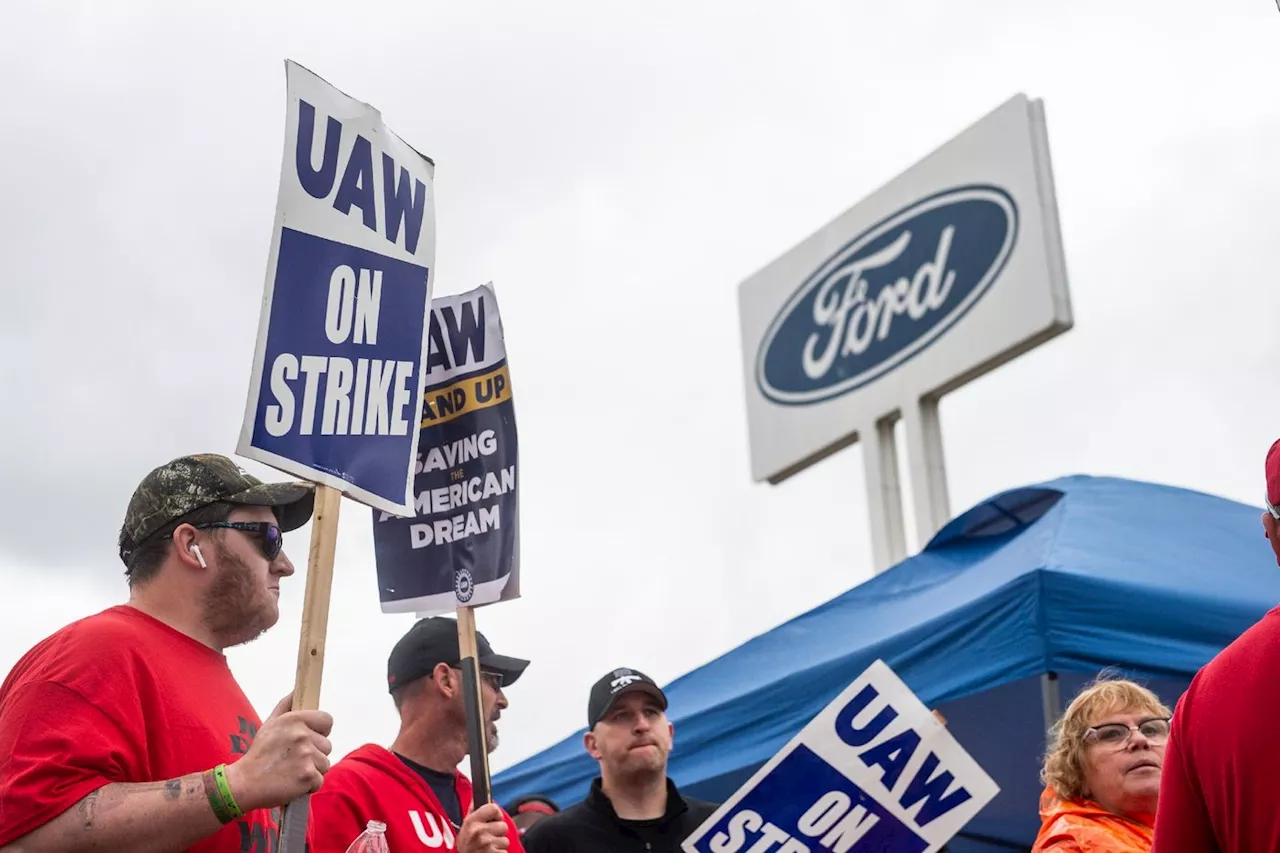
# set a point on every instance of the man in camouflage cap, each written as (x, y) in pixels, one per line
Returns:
(126, 729)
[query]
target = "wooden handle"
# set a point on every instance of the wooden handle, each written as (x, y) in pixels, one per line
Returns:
(477, 726)
(315, 607)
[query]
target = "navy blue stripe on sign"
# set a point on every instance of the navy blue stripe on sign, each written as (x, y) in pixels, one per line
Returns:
(805, 804)
(341, 362)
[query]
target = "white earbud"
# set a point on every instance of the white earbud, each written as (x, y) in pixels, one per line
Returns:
(195, 549)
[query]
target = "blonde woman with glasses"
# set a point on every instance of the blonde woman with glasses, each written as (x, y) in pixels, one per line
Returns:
(1102, 771)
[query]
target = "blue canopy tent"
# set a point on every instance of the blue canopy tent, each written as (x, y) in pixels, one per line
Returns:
(1016, 602)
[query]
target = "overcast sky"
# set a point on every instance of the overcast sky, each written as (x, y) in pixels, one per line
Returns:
(616, 170)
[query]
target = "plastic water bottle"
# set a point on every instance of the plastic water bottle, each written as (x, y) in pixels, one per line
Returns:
(372, 840)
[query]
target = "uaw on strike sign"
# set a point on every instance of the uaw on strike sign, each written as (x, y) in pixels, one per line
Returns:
(874, 772)
(338, 369)
(460, 548)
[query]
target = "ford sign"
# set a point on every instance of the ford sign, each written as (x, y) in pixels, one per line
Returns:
(887, 294)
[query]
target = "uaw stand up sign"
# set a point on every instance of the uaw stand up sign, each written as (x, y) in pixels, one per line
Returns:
(459, 548)
(874, 772)
(948, 271)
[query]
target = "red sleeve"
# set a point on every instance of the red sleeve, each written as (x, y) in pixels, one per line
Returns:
(55, 748)
(334, 822)
(513, 834)
(1182, 821)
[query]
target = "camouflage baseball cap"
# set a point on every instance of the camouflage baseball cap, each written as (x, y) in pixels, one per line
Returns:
(191, 482)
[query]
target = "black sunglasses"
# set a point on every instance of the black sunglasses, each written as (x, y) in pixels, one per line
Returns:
(268, 535)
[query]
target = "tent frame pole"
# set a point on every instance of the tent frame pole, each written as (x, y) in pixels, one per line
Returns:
(1050, 699)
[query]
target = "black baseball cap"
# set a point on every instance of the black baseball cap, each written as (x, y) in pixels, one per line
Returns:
(434, 641)
(607, 690)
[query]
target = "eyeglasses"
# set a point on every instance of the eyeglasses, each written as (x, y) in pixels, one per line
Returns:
(1117, 735)
(1275, 513)
(487, 676)
(268, 535)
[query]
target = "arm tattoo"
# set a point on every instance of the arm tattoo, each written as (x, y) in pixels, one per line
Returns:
(88, 807)
(93, 803)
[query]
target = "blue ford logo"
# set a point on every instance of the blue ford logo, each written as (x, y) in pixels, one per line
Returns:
(887, 294)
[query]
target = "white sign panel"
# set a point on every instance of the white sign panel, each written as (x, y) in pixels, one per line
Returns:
(950, 270)
(339, 366)
(875, 771)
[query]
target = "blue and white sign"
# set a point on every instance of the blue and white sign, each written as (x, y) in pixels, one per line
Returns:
(874, 772)
(461, 545)
(339, 366)
(887, 294)
(949, 270)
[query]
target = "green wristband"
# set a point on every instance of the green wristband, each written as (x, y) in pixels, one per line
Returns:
(215, 799)
(224, 790)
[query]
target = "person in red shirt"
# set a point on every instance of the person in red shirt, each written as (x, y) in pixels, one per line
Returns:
(415, 787)
(1217, 789)
(125, 730)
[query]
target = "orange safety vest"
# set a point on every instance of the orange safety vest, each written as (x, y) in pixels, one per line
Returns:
(1083, 826)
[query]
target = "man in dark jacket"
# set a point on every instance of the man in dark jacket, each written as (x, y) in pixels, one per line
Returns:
(632, 804)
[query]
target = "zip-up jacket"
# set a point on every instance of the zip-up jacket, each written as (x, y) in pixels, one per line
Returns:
(373, 784)
(592, 826)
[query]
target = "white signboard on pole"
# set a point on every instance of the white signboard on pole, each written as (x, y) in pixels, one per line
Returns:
(874, 771)
(950, 270)
(339, 366)
(340, 362)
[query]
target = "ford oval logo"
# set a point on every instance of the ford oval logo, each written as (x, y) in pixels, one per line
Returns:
(887, 294)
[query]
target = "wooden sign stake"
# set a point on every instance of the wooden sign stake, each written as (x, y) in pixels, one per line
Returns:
(477, 742)
(311, 645)
(315, 606)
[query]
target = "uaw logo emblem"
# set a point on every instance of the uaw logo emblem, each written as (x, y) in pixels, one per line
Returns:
(621, 678)
(887, 294)
(462, 585)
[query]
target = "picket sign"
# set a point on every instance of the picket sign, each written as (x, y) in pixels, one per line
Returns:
(460, 546)
(339, 362)
(874, 771)
(459, 550)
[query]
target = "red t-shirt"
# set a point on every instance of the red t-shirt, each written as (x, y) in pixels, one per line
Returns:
(371, 783)
(1218, 786)
(120, 697)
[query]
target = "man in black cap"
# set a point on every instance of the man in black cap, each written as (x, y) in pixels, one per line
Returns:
(632, 805)
(126, 730)
(415, 787)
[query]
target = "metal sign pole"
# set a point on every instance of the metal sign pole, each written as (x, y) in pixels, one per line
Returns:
(884, 494)
(928, 469)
